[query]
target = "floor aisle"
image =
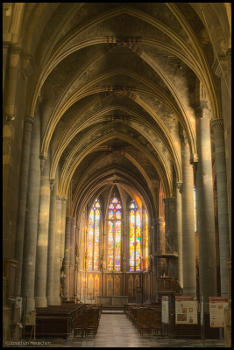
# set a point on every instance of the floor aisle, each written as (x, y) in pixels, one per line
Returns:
(115, 330)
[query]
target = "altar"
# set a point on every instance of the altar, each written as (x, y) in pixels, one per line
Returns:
(112, 300)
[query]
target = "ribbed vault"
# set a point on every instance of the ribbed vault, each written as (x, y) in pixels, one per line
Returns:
(116, 85)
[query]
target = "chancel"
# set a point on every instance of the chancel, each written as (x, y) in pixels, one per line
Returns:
(117, 173)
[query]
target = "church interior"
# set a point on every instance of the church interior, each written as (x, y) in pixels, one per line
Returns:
(116, 161)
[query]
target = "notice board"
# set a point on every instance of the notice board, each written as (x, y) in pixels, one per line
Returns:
(186, 308)
(216, 308)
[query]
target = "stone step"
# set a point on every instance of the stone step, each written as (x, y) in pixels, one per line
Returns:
(113, 312)
(106, 307)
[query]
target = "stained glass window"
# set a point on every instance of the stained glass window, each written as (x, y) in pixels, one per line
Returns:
(135, 238)
(146, 240)
(114, 235)
(93, 238)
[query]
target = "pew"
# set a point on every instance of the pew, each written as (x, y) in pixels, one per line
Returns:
(57, 320)
(88, 320)
(68, 319)
(146, 318)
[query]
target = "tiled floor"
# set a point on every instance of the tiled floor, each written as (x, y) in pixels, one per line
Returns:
(115, 330)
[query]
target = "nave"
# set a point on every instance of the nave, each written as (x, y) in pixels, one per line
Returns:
(116, 330)
(117, 166)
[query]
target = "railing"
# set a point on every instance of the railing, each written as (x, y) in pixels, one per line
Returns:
(168, 285)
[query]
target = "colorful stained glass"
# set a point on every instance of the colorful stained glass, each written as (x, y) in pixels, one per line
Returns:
(138, 240)
(117, 243)
(118, 215)
(110, 215)
(114, 235)
(146, 242)
(135, 238)
(93, 238)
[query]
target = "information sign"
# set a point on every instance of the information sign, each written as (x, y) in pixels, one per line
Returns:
(186, 309)
(216, 308)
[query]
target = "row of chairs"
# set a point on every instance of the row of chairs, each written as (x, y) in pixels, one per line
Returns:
(68, 319)
(57, 320)
(146, 318)
(88, 319)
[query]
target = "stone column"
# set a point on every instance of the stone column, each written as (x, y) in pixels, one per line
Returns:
(223, 69)
(58, 279)
(25, 160)
(42, 238)
(205, 211)
(161, 261)
(179, 233)
(4, 68)
(72, 260)
(67, 256)
(9, 129)
(171, 239)
(217, 128)
(53, 279)
(62, 228)
(188, 241)
(31, 226)
(76, 260)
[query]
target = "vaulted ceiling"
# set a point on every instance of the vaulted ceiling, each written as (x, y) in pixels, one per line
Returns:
(114, 85)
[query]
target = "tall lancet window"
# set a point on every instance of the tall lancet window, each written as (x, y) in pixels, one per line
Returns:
(145, 240)
(135, 238)
(114, 235)
(93, 237)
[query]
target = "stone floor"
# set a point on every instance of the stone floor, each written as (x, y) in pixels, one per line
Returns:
(115, 330)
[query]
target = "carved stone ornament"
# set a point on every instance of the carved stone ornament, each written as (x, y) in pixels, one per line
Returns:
(180, 186)
(217, 123)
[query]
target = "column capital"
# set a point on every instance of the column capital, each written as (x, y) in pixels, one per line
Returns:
(6, 44)
(61, 198)
(216, 123)
(42, 162)
(15, 49)
(179, 186)
(52, 182)
(202, 109)
(195, 158)
(28, 119)
(9, 117)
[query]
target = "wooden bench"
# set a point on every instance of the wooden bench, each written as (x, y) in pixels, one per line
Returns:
(57, 321)
(146, 318)
(88, 320)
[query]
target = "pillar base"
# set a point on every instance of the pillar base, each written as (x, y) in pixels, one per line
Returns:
(29, 303)
(228, 326)
(207, 331)
(41, 301)
(53, 300)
